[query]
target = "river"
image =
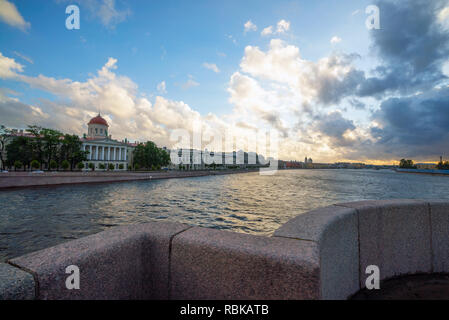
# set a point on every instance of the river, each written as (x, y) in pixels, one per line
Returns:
(36, 218)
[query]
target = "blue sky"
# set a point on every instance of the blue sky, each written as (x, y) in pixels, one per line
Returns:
(197, 60)
(170, 40)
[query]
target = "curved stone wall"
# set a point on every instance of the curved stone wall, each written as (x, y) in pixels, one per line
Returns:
(321, 254)
(399, 236)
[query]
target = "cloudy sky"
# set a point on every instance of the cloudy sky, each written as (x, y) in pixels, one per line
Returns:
(311, 70)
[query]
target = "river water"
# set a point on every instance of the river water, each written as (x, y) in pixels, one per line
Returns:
(33, 219)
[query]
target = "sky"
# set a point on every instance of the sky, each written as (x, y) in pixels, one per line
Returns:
(311, 71)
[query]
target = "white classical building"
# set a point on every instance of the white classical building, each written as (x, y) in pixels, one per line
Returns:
(103, 149)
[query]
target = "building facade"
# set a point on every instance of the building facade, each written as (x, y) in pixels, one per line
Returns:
(103, 149)
(191, 159)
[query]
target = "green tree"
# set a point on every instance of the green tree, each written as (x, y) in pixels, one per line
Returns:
(148, 155)
(17, 165)
(20, 149)
(53, 164)
(443, 165)
(80, 165)
(71, 150)
(102, 166)
(91, 166)
(65, 164)
(406, 164)
(36, 143)
(121, 166)
(35, 164)
(50, 143)
(111, 166)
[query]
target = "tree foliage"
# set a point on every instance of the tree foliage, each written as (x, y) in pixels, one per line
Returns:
(148, 155)
(46, 146)
(443, 165)
(406, 164)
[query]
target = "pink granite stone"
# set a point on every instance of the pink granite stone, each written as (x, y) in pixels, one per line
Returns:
(128, 262)
(395, 236)
(439, 216)
(335, 230)
(215, 264)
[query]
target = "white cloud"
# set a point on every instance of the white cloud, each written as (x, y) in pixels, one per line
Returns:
(443, 17)
(24, 57)
(335, 40)
(283, 26)
(189, 84)
(270, 91)
(161, 87)
(324, 81)
(211, 66)
(10, 15)
(267, 31)
(355, 12)
(231, 37)
(9, 67)
(249, 26)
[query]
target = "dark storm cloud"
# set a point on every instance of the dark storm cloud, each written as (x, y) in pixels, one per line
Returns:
(357, 104)
(331, 91)
(275, 121)
(334, 126)
(416, 126)
(412, 46)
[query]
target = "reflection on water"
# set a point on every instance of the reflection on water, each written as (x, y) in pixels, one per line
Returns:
(32, 219)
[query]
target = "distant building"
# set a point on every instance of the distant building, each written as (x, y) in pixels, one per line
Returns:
(100, 145)
(192, 159)
(349, 165)
(103, 149)
(426, 165)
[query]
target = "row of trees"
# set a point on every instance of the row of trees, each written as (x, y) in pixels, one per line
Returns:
(51, 149)
(41, 147)
(406, 164)
(443, 165)
(149, 156)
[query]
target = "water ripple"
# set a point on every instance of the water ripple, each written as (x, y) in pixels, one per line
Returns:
(32, 219)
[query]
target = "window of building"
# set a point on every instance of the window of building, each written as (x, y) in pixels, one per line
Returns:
(96, 130)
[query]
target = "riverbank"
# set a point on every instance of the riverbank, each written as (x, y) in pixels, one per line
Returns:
(29, 179)
(424, 171)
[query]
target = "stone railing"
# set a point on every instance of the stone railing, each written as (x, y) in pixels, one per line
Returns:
(321, 254)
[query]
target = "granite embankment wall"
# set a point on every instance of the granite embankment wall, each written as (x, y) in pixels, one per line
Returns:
(29, 179)
(321, 254)
(424, 171)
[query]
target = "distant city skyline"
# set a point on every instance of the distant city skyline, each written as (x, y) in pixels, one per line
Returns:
(334, 90)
